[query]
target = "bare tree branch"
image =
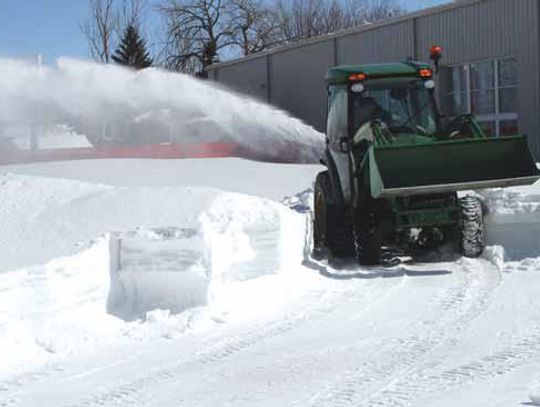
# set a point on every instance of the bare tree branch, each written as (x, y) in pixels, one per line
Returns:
(196, 32)
(302, 19)
(99, 29)
(201, 32)
(106, 23)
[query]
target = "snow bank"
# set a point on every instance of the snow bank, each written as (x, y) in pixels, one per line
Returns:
(513, 220)
(266, 180)
(57, 308)
(150, 105)
(239, 238)
(172, 277)
(513, 203)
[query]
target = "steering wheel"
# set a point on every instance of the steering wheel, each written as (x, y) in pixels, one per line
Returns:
(401, 128)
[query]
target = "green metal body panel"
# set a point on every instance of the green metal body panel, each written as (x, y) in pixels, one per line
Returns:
(427, 217)
(340, 74)
(448, 166)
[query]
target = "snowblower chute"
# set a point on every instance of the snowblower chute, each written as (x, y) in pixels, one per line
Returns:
(395, 165)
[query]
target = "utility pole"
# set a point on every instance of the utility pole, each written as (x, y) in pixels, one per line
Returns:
(35, 128)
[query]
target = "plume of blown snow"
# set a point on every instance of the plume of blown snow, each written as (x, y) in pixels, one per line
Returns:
(146, 107)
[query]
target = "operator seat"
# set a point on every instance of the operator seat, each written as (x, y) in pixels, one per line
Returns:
(367, 110)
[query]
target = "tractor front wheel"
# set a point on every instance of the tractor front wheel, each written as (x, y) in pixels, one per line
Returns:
(472, 227)
(369, 238)
(324, 212)
(332, 227)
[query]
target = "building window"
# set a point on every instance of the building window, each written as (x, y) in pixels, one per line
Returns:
(487, 89)
(455, 90)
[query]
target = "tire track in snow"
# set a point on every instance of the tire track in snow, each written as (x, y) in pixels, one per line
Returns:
(13, 385)
(407, 385)
(129, 394)
(366, 303)
(525, 351)
(376, 381)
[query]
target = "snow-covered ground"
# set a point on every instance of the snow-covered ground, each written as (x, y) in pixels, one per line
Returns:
(187, 283)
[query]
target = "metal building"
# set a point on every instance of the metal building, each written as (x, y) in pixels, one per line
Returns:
(490, 67)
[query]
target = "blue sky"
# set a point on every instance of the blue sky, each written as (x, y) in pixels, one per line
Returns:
(51, 27)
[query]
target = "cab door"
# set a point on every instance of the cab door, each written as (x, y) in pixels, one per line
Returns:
(336, 134)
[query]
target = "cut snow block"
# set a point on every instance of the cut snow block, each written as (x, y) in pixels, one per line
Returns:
(153, 269)
(520, 240)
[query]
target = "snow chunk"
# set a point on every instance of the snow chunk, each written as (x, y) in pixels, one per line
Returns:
(249, 237)
(163, 268)
(301, 202)
(495, 254)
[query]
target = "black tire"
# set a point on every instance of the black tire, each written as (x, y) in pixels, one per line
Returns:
(472, 227)
(332, 228)
(369, 238)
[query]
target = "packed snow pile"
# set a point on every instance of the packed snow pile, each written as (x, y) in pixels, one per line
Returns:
(513, 221)
(138, 254)
(148, 106)
(56, 309)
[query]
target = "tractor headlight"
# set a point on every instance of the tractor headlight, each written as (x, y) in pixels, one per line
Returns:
(430, 84)
(357, 87)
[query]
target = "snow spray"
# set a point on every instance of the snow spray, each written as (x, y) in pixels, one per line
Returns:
(146, 107)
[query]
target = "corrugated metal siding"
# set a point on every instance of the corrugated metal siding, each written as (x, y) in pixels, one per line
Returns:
(526, 49)
(248, 77)
(297, 80)
(470, 32)
(386, 44)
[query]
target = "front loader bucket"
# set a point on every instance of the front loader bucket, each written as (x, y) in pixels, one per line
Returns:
(451, 166)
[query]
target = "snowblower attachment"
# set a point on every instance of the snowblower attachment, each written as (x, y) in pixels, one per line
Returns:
(450, 166)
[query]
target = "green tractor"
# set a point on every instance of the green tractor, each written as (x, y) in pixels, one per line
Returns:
(395, 165)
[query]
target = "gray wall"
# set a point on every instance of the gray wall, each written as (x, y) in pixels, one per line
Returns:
(248, 77)
(389, 43)
(293, 77)
(487, 30)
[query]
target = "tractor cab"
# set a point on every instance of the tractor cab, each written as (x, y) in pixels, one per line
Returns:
(398, 98)
(404, 105)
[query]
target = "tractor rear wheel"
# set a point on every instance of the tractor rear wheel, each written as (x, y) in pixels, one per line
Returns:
(332, 228)
(472, 227)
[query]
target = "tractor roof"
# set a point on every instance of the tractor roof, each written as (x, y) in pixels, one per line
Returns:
(340, 74)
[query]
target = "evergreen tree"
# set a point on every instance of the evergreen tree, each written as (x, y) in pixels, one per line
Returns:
(132, 50)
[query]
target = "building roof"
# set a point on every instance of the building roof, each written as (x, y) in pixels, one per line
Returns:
(340, 74)
(363, 28)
